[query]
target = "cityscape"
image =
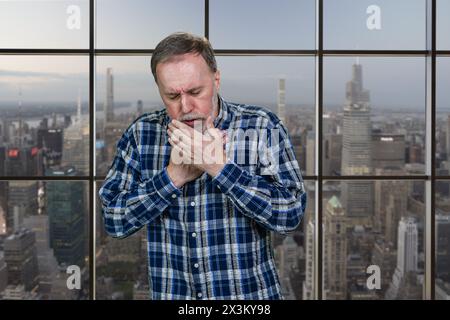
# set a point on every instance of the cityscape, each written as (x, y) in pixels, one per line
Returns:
(44, 225)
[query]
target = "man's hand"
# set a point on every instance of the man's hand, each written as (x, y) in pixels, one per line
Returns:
(205, 151)
(181, 173)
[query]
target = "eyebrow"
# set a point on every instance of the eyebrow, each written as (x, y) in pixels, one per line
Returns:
(190, 90)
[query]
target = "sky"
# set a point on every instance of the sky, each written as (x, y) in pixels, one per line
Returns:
(234, 24)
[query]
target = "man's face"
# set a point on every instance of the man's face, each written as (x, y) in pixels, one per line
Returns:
(188, 88)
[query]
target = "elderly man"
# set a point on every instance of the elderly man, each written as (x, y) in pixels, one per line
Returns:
(209, 192)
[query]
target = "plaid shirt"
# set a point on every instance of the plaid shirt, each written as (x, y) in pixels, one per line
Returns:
(211, 239)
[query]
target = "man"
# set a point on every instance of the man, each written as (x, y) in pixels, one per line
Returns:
(209, 200)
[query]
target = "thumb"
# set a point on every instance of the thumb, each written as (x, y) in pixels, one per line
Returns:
(209, 123)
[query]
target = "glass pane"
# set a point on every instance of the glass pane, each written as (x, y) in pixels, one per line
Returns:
(44, 246)
(45, 24)
(44, 122)
(373, 240)
(294, 255)
(374, 116)
(285, 24)
(267, 82)
(121, 264)
(132, 92)
(442, 116)
(442, 220)
(442, 25)
(385, 24)
(141, 24)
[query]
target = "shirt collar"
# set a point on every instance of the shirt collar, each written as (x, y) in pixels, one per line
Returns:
(223, 113)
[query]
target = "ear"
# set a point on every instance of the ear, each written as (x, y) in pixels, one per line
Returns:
(217, 79)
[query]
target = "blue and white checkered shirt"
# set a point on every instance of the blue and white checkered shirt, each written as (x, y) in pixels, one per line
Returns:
(211, 239)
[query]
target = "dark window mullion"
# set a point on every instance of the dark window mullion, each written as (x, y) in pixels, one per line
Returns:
(92, 31)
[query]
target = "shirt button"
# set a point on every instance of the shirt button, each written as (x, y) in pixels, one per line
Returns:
(194, 234)
(174, 196)
(199, 294)
(192, 203)
(195, 265)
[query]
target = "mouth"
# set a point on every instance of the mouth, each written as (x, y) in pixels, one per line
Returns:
(191, 123)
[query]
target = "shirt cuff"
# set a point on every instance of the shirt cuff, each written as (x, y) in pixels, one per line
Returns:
(165, 187)
(227, 177)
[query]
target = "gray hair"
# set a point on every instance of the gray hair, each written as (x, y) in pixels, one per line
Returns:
(181, 43)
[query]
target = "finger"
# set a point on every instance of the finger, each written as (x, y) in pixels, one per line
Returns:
(181, 125)
(180, 135)
(209, 123)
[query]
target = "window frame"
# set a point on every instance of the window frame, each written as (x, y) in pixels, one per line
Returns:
(430, 178)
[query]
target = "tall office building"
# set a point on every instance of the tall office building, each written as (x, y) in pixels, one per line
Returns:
(357, 196)
(407, 258)
(447, 140)
(288, 254)
(51, 142)
(66, 214)
(308, 283)
(3, 272)
(443, 247)
(48, 266)
(335, 250)
(24, 161)
(22, 201)
(407, 246)
(76, 144)
(390, 205)
(139, 108)
(282, 99)
(310, 152)
(388, 150)
(332, 154)
(21, 259)
(109, 104)
(3, 207)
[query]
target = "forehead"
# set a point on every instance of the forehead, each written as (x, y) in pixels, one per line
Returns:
(183, 72)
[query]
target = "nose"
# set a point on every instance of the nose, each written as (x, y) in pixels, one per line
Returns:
(186, 104)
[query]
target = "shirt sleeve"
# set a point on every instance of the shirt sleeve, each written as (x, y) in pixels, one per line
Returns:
(276, 201)
(127, 202)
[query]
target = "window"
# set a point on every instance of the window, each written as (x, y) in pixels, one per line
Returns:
(369, 25)
(351, 79)
(39, 24)
(374, 115)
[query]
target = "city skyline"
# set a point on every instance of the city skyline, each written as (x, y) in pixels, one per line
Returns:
(373, 123)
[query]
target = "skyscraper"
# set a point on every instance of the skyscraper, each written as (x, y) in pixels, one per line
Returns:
(308, 284)
(76, 144)
(22, 201)
(48, 265)
(357, 196)
(109, 104)
(407, 257)
(21, 259)
(447, 142)
(24, 161)
(139, 108)
(3, 272)
(335, 250)
(282, 99)
(443, 247)
(65, 208)
(388, 150)
(407, 247)
(310, 152)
